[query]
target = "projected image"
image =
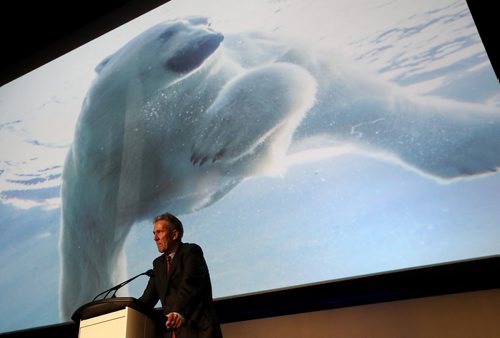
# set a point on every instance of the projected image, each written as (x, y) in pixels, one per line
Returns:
(300, 142)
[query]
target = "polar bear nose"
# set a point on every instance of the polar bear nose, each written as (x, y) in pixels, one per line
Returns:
(190, 56)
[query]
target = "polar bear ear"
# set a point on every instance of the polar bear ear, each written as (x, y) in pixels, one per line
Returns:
(197, 20)
(103, 64)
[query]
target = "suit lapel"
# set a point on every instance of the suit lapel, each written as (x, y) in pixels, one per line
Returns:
(160, 268)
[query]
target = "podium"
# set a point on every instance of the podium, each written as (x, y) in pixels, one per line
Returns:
(120, 317)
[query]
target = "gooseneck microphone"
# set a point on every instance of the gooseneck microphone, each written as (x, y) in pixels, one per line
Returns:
(116, 287)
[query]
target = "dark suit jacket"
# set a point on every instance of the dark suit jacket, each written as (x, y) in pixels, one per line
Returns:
(186, 290)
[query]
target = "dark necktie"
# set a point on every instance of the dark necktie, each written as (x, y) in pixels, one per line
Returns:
(169, 260)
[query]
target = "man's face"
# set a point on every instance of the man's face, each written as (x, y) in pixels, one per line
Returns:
(165, 239)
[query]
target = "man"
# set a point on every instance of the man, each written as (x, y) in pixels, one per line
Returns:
(181, 282)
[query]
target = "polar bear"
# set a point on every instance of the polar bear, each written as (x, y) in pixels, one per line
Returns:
(131, 157)
(181, 114)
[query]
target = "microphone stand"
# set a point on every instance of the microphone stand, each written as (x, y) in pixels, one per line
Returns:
(116, 287)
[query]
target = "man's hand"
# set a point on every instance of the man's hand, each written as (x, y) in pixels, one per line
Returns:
(174, 320)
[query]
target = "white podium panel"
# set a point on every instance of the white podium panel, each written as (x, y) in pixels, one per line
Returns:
(125, 323)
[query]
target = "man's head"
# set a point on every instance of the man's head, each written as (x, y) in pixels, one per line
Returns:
(168, 231)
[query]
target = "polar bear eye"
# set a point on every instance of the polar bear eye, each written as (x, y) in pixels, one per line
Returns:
(166, 35)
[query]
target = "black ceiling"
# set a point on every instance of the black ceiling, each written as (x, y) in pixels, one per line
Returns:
(34, 32)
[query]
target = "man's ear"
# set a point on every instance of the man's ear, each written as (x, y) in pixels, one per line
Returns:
(175, 235)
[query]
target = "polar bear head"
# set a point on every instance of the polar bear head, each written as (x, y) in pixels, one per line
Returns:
(161, 55)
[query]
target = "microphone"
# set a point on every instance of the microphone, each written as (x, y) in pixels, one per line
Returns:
(115, 288)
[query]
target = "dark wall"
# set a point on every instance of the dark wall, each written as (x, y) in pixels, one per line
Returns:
(485, 16)
(36, 32)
